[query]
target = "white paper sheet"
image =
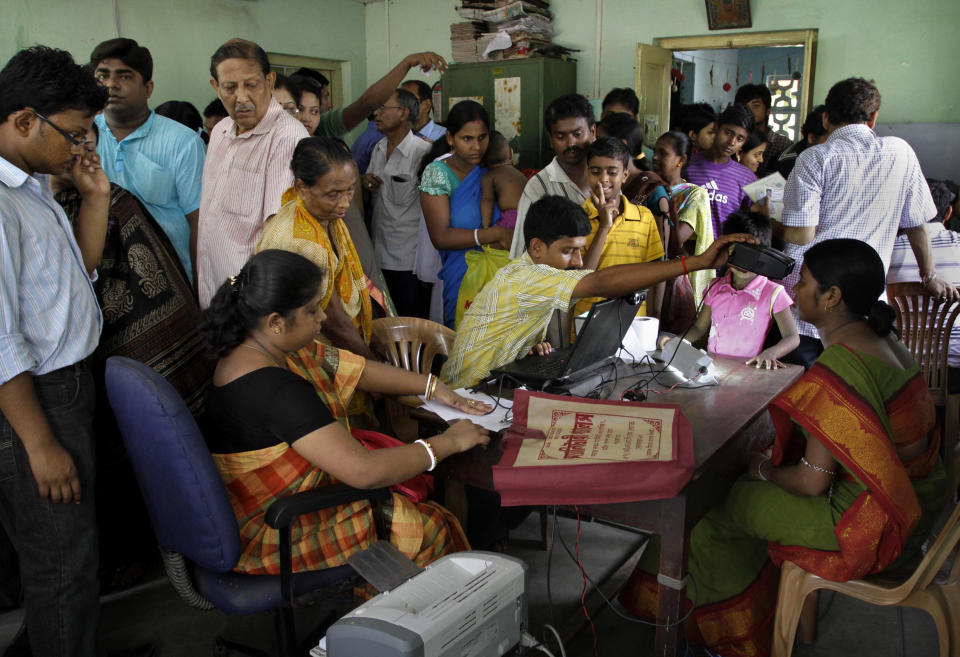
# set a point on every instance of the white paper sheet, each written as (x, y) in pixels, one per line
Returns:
(768, 186)
(495, 421)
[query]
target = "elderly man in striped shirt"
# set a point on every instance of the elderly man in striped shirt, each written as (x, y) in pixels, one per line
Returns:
(248, 163)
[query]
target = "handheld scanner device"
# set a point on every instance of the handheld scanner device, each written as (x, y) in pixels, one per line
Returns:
(761, 260)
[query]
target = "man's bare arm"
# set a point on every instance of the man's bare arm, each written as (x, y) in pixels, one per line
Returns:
(380, 91)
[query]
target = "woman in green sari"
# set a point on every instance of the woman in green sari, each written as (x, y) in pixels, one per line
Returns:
(854, 478)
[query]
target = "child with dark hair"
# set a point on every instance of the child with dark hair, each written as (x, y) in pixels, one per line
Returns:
(740, 307)
(757, 99)
(717, 172)
(510, 316)
(699, 122)
(621, 100)
(812, 132)
(502, 185)
(753, 152)
(620, 232)
(643, 187)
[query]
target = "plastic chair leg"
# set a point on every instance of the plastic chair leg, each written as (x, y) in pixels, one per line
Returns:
(789, 606)
(809, 615)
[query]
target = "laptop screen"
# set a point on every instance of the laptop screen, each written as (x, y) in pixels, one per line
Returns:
(601, 335)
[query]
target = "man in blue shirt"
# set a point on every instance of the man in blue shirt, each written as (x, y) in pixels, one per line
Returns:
(424, 126)
(159, 160)
(49, 324)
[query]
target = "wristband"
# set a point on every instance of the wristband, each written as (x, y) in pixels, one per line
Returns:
(683, 263)
(426, 390)
(476, 236)
(433, 456)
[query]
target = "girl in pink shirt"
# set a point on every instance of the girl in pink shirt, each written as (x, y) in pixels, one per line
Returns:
(740, 307)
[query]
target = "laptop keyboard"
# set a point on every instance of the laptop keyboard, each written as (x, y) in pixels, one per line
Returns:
(551, 367)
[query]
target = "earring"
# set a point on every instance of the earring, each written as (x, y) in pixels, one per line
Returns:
(276, 329)
(678, 165)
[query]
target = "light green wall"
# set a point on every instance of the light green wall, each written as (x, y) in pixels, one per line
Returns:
(183, 34)
(902, 45)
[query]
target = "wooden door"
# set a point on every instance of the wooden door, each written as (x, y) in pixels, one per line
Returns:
(653, 89)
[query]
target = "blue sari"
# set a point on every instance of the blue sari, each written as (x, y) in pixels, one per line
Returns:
(464, 213)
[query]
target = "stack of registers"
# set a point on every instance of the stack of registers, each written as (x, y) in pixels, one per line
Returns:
(504, 29)
(573, 450)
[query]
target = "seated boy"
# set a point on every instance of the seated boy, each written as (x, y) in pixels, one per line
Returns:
(501, 185)
(620, 232)
(721, 176)
(740, 307)
(510, 315)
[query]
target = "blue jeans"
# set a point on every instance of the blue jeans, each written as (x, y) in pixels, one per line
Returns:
(56, 543)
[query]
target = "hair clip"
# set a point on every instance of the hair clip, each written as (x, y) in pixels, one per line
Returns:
(233, 285)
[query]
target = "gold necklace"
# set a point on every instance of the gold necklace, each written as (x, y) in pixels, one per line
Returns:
(262, 351)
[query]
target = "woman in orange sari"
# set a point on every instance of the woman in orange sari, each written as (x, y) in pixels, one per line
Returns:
(311, 222)
(852, 483)
(274, 430)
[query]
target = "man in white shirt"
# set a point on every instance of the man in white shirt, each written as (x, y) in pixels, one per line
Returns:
(855, 184)
(945, 247)
(424, 126)
(570, 123)
(392, 181)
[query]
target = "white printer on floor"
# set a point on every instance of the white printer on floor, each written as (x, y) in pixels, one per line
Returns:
(468, 604)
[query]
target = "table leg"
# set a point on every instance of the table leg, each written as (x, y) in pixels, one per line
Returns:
(673, 568)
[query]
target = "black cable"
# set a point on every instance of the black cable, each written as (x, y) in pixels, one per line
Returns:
(632, 619)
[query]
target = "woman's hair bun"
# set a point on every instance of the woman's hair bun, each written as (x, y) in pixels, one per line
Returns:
(881, 318)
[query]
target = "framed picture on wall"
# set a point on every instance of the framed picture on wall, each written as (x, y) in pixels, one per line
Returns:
(727, 14)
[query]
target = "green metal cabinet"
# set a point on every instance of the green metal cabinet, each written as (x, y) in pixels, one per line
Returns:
(540, 81)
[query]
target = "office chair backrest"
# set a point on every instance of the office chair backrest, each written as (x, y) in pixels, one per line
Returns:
(183, 491)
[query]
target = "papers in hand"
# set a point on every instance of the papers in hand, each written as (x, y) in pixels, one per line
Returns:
(498, 420)
(768, 187)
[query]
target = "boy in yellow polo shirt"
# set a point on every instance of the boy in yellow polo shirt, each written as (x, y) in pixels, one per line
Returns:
(621, 233)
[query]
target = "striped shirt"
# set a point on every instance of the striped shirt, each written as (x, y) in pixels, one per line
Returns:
(633, 237)
(945, 250)
(552, 181)
(854, 185)
(243, 180)
(49, 316)
(724, 185)
(507, 318)
(161, 163)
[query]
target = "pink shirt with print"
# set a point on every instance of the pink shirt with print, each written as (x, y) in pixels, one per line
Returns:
(740, 319)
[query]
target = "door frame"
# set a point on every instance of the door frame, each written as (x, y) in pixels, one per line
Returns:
(805, 38)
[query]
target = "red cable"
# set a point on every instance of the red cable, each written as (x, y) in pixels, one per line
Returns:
(583, 592)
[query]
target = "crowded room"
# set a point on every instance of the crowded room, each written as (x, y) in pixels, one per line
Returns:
(537, 328)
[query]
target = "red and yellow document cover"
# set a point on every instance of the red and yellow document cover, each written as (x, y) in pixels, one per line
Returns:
(570, 450)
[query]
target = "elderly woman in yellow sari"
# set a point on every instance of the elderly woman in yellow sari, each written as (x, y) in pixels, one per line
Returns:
(311, 223)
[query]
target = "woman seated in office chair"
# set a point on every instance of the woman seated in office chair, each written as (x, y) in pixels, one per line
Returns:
(854, 480)
(271, 435)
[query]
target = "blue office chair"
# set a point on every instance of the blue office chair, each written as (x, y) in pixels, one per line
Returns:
(194, 522)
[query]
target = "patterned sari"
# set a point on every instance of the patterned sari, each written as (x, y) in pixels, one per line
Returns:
(293, 228)
(423, 531)
(877, 514)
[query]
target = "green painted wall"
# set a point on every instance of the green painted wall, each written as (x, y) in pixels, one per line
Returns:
(183, 34)
(903, 46)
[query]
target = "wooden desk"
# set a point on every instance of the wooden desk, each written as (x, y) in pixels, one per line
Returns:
(729, 421)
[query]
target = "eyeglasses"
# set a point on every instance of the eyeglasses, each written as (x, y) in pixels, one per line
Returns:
(69, 136)
(383, 107)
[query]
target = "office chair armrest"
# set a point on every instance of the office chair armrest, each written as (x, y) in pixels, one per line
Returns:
(283, 511)
(281, 514)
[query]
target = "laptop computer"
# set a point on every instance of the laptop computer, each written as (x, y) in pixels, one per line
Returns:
(597, 342)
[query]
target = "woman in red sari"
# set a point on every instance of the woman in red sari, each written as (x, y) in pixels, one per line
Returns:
(852, 483)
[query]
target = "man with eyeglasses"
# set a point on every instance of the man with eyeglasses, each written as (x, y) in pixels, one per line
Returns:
(49, 324)
(159, 160)
(248, 163)
(392, 182)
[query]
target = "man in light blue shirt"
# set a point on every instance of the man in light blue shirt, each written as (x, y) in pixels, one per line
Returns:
(49, 324)
(159, 160)
(424, 127)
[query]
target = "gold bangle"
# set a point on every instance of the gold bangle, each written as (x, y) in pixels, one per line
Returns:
(433, 387)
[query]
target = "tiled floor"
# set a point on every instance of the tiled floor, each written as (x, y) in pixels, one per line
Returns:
(153, 613)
